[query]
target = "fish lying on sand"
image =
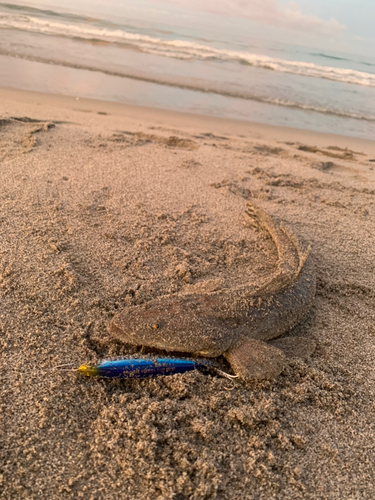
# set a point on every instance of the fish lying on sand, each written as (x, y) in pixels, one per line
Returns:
(235, 322)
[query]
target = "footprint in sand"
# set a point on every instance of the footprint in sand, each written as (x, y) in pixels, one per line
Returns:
(18, 135)
(331, 151)
(140, 139)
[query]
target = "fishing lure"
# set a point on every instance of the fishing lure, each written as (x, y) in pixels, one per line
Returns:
(144, 367)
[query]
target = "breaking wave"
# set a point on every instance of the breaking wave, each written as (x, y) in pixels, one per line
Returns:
(197, 87)
(91, 30)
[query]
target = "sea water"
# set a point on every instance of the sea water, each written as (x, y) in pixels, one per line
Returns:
(195, 71)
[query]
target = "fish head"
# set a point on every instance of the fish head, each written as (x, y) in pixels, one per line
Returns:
(186, 323)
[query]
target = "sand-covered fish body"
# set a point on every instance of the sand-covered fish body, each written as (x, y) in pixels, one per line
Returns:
(240, 323)
(143, 367)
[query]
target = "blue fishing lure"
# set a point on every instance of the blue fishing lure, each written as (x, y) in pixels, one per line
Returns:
(143, 367)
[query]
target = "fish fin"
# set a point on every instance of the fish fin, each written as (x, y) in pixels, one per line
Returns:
(295, 347)
(255, 360)
(290, 256)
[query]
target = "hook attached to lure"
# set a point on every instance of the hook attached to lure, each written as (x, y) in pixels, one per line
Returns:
(146, 367)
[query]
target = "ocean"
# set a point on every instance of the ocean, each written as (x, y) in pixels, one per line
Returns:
(181, 69)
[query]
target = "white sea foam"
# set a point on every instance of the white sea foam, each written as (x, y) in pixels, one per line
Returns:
(181, 49)
(193, 85)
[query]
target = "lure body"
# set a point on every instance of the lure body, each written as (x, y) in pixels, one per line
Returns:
(143, 367)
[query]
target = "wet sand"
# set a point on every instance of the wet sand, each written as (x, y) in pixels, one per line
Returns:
(104, 206)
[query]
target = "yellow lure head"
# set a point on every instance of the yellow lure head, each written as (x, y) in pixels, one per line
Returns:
(90, 371)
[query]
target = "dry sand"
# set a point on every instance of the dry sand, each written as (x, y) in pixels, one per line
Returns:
(104, 206)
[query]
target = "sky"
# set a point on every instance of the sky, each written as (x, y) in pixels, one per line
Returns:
(340, 25)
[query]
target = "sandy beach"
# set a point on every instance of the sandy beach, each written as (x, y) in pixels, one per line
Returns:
(105, 206)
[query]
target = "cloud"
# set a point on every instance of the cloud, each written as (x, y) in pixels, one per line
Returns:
(266, 12)
(294, 19)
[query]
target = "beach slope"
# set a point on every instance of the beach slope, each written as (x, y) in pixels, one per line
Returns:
(104, 206)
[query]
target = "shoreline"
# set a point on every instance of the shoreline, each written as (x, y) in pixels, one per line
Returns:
(186, 121)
